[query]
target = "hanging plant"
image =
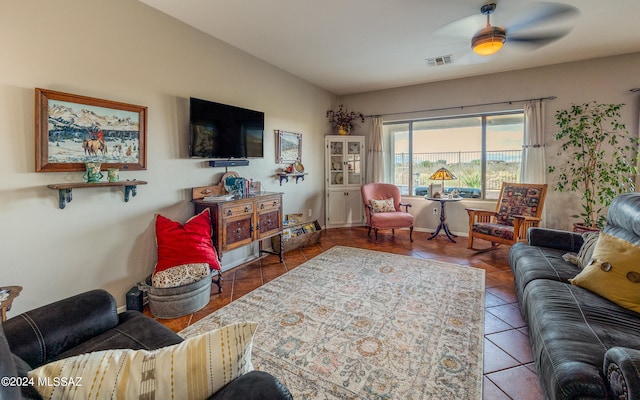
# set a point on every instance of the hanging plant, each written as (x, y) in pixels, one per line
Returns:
(602, 157)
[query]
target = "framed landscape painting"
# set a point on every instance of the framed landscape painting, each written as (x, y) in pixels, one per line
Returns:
(288, 146)
(73, 129)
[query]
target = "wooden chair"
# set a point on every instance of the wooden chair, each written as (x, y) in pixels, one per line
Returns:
(519, 208)
(374, 196)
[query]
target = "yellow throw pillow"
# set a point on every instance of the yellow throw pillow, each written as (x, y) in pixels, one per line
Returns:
(614, 272)
(385, 205)
(193, 369)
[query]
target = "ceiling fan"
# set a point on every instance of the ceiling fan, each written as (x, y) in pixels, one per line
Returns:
(532, 29)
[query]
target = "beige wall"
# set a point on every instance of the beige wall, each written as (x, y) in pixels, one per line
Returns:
(125, 51)
(605, 80)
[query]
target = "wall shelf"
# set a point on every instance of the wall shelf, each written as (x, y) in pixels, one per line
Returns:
(64, 189)
(285, 176)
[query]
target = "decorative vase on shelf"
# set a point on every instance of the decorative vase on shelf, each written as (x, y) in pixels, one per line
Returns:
(342, 130)
(93, 174)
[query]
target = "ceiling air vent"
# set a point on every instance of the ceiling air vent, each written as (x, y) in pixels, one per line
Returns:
(442, 60)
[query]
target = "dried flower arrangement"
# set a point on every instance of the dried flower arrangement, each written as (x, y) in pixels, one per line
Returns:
(342, 118)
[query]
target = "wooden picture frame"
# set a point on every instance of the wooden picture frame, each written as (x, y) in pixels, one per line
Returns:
(288, 147)
(71, 129)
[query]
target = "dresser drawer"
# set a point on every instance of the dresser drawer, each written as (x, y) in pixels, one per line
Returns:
(272, 203)
(234, 210)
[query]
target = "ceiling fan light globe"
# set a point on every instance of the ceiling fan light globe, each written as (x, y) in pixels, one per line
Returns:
(487, 48)
(489, 40)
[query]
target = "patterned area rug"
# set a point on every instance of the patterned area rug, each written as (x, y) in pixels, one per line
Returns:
(361, 324)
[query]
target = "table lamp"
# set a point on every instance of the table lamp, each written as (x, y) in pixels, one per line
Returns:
(444, 175)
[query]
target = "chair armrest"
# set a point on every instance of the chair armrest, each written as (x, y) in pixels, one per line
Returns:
(7, 369)
(622, 371)
(521, 225)
(368, 209)
(254, 385)
(40, 335)
(555, 239)
(527, 218)
(406, 206)
(479, 211)
(479, 215)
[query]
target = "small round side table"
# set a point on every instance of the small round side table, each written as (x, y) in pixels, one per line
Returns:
(443, 218)
(12, 292)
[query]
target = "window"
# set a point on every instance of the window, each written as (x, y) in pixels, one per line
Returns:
(482, 151)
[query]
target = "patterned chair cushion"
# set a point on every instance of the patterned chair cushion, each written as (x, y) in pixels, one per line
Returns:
(518, 200)
(498, 230)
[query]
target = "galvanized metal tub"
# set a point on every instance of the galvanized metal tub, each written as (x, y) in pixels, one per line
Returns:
(178, 301)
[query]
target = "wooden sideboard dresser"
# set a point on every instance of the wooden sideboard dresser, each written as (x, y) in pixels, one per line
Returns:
(239, 222)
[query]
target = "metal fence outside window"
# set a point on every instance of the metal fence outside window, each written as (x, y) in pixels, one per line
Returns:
(502, 166)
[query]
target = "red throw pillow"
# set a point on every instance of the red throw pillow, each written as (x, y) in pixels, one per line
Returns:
(185, 244)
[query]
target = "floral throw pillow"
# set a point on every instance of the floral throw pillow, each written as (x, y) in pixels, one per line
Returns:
(379, 206)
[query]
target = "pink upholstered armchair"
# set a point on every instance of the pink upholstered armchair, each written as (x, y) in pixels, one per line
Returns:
(382, 202)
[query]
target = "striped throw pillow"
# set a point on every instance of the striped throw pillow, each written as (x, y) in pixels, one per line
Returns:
(193, 369)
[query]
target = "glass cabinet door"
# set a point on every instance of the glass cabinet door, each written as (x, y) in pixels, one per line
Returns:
(345, 161)
(336, 163)
(354, 162)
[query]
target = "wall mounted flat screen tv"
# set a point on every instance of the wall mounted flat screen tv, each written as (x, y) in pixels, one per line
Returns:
(224, 131)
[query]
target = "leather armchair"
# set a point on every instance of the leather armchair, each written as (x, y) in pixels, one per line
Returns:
(89, 322)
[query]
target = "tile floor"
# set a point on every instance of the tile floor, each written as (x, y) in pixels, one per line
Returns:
(509, 371)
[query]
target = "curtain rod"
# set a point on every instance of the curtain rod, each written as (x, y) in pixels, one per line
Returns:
(467, 106)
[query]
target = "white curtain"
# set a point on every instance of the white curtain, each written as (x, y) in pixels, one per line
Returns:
(375, 167)
(533, 164)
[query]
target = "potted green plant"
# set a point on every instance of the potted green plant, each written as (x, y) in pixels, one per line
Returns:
(601, 158)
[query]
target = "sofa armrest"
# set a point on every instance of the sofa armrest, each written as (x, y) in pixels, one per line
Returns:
(555, 239)
(40, 335)
(254, 385)
(622, 370)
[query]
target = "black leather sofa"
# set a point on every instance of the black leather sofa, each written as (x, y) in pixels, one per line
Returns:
(585, 346)
(89, 322)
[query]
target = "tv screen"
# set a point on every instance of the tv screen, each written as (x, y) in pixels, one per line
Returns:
(224, 131)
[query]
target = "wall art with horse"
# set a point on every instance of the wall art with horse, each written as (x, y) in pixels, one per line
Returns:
(73, 129)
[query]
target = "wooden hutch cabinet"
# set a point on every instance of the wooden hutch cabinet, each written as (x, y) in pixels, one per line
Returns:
(237, 223)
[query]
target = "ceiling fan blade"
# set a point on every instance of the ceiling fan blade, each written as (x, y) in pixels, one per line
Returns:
(544, 13)
(462, 28)
(538, 39)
